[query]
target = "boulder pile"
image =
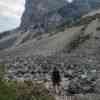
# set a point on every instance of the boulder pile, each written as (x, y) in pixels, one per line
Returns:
(80, 78)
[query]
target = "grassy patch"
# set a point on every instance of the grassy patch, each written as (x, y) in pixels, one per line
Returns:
(2, 70)
(27, 90)
(7, 92)
(12, 90)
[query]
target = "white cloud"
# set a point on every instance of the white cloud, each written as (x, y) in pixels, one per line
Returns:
(11, 7)
(69, 1)
(10, 13)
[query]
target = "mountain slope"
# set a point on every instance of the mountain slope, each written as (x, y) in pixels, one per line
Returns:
(87, 29)
(45, 46)
(43, 17)
(75, 51)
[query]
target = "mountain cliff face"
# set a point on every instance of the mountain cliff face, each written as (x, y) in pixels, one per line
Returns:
(39, 16)
(39, 13)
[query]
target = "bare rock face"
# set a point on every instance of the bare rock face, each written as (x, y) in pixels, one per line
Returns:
(39, 15)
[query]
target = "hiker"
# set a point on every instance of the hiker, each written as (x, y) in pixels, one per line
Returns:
(56, 79)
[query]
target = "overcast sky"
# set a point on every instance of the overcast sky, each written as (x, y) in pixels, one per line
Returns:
(10, 13)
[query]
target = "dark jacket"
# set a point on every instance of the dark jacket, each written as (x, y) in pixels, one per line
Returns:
(56, 78)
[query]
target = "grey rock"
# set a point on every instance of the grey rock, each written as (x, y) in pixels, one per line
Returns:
(40, 16)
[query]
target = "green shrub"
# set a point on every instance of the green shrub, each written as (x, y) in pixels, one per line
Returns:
(7, 92)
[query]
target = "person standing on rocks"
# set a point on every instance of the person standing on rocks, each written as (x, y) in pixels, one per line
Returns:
(56, 80)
